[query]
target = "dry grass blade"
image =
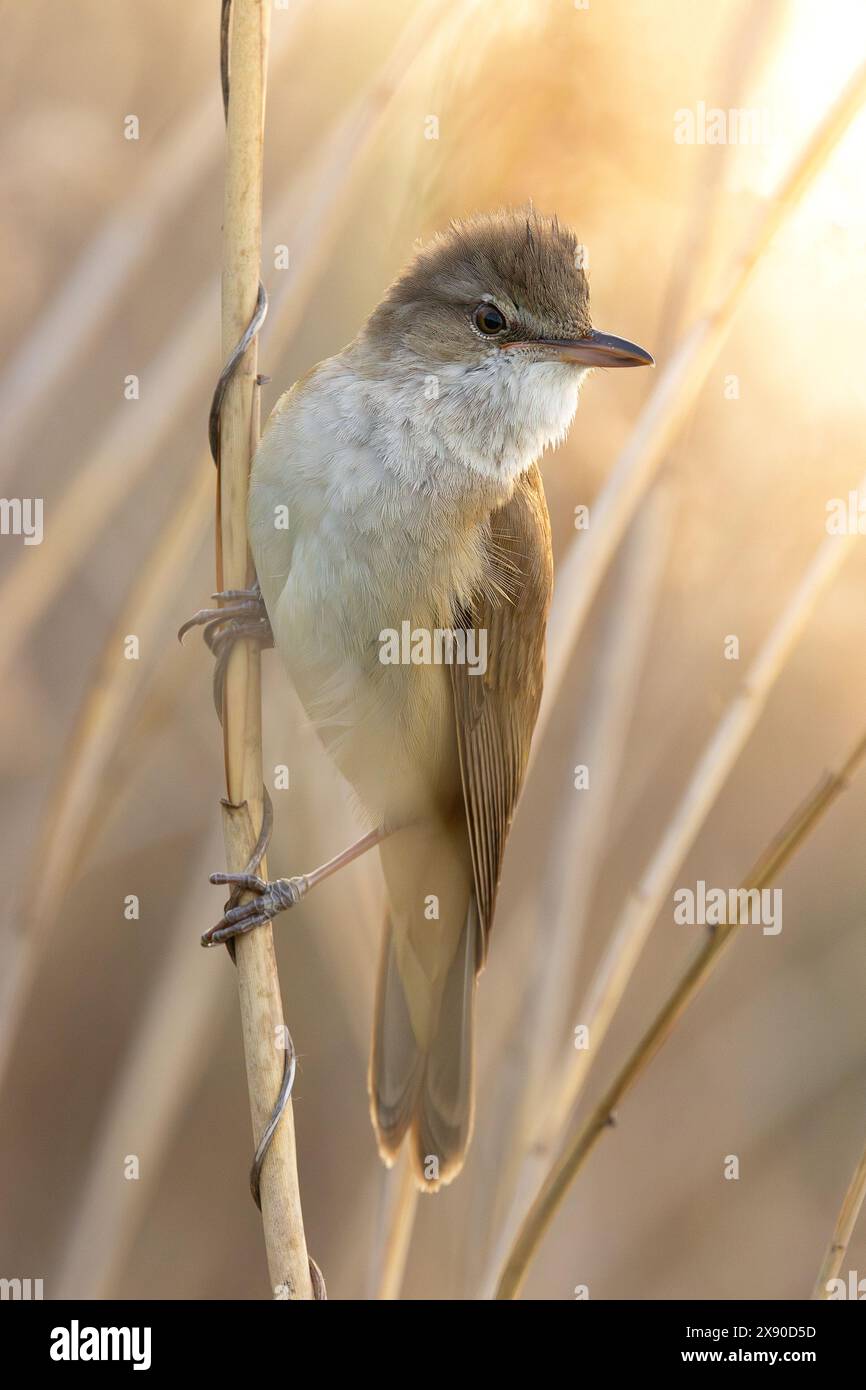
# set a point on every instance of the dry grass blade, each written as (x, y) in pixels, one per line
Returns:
(395, 1221)
(331, 181)
(714, 766)
(754, 41)
(97, 281)
(166, 1058)
(842, 1231)
(564, 1171)
(100, 487)
(100, 726)
(580, 828)
(671, 400)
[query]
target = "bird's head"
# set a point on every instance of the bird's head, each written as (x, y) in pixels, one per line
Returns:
(509, 282)
(496, 310)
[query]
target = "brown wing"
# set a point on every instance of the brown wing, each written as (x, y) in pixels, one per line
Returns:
(496, 712)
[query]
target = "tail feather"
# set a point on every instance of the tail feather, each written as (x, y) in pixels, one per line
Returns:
(426, 1089)
(444, 1114)
(396, 1060)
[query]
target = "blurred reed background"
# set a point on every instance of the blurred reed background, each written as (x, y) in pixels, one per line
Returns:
(120, 1038)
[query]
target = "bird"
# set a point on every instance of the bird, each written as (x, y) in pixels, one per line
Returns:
(402, 546)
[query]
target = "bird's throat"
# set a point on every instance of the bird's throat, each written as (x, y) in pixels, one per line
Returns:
(497, 419)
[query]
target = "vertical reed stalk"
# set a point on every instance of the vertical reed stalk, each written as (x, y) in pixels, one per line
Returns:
(258, 983)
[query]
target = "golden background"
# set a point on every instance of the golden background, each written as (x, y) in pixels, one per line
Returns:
(120, 1037)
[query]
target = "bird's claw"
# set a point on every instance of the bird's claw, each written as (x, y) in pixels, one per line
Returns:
(242, 615)
(268, 900)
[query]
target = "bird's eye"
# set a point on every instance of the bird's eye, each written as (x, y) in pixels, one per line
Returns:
(488, 319)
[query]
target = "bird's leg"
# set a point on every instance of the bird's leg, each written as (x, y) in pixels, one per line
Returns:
(269, 899)
(242, 615)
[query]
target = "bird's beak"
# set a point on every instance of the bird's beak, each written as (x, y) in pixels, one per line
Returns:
(594, 350)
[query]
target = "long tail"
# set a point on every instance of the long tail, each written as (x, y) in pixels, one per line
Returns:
(421, 1063)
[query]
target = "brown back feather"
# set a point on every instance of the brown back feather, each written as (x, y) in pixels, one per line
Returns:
(496, 713)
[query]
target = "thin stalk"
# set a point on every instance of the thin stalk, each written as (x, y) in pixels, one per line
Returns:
(842, 1231)
(558, 1181)
(258, 983)
(395, 1223)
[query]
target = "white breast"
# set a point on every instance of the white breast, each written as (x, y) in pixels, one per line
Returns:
(387, 514)
(366, 548)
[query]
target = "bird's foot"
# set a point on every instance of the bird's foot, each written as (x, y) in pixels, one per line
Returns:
(242, 615)
(269, 899)
(241, 609)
